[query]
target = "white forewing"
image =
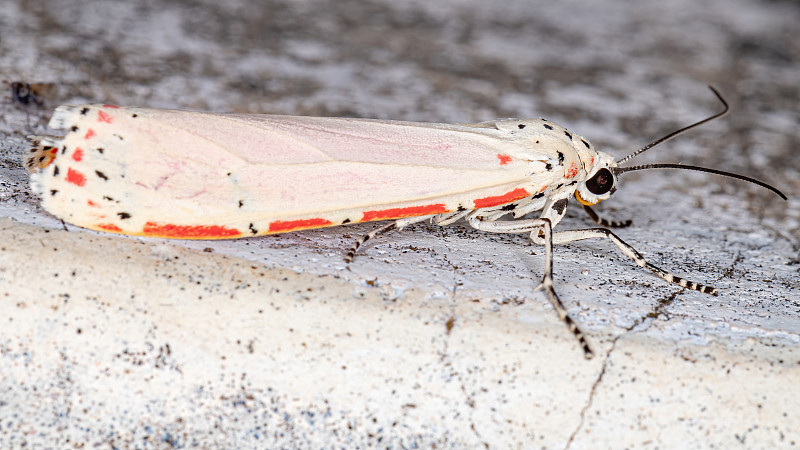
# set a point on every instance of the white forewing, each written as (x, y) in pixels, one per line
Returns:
(247, 171)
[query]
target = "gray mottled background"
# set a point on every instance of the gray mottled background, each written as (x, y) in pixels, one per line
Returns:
(619, 73)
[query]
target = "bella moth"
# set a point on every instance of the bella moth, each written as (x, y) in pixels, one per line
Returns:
(193, 175)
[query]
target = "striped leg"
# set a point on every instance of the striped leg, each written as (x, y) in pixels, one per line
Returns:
(396, 225)
(542, 228)
(547, 284)
(562, 237)
(606, 223)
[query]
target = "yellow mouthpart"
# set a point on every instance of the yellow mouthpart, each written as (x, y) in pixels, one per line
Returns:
(584, 202)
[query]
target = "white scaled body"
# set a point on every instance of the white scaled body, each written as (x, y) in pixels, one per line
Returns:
(193, 175)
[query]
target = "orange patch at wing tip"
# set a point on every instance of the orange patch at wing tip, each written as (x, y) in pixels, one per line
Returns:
(75, 177)
(280, 226)
(169, 230)
(486, 202)
(397, 213)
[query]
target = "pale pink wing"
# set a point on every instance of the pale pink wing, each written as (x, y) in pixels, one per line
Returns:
(200, 175)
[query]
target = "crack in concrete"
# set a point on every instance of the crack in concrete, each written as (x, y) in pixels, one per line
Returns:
(657, 311)
(449, 325)
(729, 272)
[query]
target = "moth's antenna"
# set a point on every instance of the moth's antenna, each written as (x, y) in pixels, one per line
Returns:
(619, 170)
(682, 130)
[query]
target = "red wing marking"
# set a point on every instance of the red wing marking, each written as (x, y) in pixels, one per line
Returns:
(573, 170)
(397, 213)
(280, 226)
(89, 134)
(504, 159)
(78, 155)
(92, 204)
(153, 229)
(103, 117)
(486, 202)
(75, 177)
(109, 227)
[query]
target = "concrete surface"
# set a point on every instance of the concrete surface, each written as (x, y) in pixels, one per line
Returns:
(433, 336)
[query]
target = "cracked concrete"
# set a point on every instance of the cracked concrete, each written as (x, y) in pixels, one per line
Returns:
(657, 310)
(432, 336)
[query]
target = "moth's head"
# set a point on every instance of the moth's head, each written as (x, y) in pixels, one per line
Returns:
(600, 183)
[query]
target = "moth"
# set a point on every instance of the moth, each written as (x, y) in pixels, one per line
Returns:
(194, 175)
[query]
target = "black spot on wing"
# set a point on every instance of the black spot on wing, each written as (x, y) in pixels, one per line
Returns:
(124, 215)
(548, 126)
(101, 175)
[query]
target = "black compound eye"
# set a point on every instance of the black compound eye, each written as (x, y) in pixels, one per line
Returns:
(601, 182)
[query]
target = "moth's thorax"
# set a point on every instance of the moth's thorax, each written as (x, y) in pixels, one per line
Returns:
(570, 160)
(573, 157)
